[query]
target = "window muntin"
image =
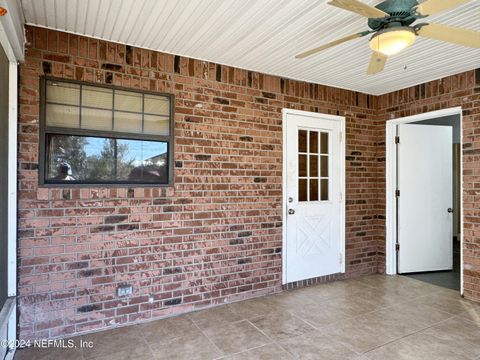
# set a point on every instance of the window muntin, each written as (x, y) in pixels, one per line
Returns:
(313, 163)
(96, 121)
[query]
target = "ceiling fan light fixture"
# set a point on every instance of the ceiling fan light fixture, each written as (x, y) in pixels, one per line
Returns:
(392, 41)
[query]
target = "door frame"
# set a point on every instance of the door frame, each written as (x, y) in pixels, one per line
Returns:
(391, 174)
(341, 120)
(12, 43)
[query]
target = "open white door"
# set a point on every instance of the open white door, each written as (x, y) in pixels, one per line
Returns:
(314, 244)
(425, 201)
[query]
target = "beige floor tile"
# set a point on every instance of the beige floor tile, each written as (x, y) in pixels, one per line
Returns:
(48, 354)
(236, 337)
(196, 348)
(288, 300)
(266, 352)
(354, 305)
(386, 297)
(472, 315)
(414, 316)
(343, 289)
(319, 315)
(281, 325)
(366, 332)
(380, 281)
(403, 286)
(417, 347)
(214, 317)
(166, 330)
(249, 309)
(358, 335)
(134, 352)
(315, 345)
(113, 341)
(449, 302)
(457, 333)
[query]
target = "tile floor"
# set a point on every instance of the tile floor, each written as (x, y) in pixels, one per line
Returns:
(369, 318)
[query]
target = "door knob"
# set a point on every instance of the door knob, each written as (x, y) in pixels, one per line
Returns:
(291, 211)
(450, 210)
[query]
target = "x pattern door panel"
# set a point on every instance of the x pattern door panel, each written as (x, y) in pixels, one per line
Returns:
(313, 235)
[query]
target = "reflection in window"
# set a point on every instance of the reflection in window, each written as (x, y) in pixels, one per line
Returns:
(313, 162)
(86, 159)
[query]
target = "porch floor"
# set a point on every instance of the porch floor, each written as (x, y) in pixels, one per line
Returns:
(373, 317)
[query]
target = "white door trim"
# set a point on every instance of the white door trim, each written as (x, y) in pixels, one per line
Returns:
(8, 316)
(391, 173)
(341, 120)
(12, 178)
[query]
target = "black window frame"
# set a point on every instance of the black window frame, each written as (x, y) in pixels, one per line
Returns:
(44, 130)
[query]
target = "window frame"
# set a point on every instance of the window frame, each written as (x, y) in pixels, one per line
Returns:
(44, 130)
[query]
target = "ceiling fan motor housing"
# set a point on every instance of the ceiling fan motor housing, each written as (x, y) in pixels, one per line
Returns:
(401, 14)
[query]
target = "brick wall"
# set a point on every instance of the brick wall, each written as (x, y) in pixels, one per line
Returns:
(213, 237)
(458, 90)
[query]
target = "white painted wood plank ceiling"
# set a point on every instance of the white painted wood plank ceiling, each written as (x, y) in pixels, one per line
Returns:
(263, 36)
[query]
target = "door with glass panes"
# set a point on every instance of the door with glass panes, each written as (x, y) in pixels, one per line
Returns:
(313, 196)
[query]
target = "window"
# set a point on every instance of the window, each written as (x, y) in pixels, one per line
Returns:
(312, 165)
(104, 135)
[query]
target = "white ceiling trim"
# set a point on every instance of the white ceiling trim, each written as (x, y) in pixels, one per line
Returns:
(12, 34)
(263, 36)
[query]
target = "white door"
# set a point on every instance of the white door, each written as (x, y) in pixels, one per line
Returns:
(314, 244)
(425, 199)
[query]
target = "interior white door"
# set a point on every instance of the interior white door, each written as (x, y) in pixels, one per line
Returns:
(314, 227)
(425, 184)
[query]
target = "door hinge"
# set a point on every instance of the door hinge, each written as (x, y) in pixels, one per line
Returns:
(341, 197)
(397, 193)
(341, 136)
(340, 259)
(397, 139)
(397, 247)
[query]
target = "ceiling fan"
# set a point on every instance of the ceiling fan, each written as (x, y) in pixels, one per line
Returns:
(391, 25)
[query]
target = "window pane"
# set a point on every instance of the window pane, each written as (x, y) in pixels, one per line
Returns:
(324, 143)
(302, 190)
(324, 166)
(313, 142)
(313, 165)
(128, 101)
(145, 161)
(97, 97)
(63, 93)
(302, 140)
(62, 116)
(302, 165)
(324, 189)
(156, 125)
(93, 159)
(313, 190)
(158, 105)
(78, 158)
(127, 122)
(95, 119)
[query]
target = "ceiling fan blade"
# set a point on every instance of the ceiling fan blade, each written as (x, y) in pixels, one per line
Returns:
(331, 44)
(377, 63)
(359, 8)
(464, 37)
(430, 7)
